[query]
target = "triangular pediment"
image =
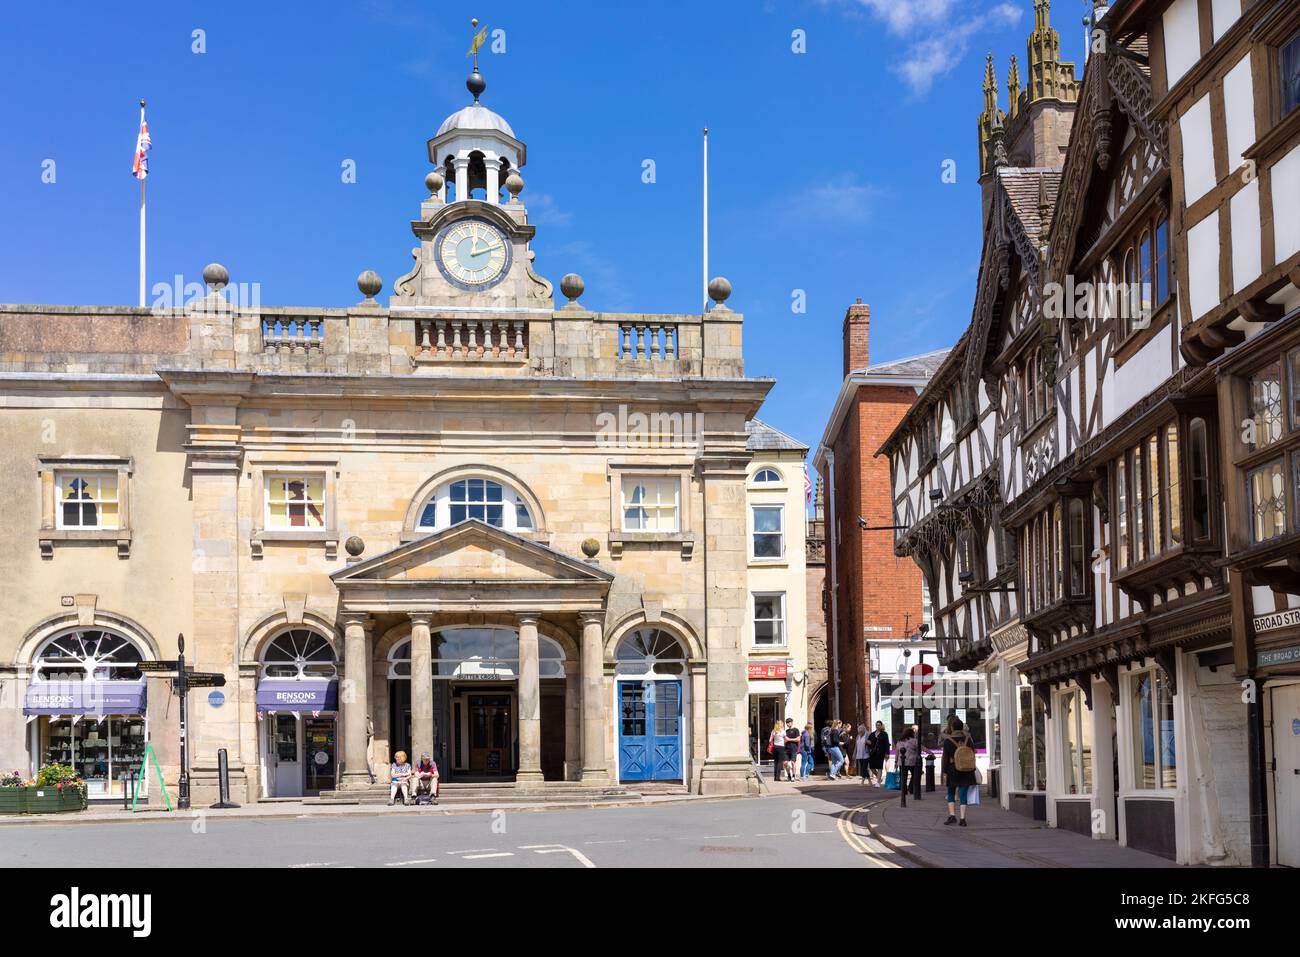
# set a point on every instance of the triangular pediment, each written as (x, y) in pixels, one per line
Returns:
(472, 552)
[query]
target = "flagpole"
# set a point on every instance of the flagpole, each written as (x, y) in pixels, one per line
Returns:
(142, 179)
(706, 219)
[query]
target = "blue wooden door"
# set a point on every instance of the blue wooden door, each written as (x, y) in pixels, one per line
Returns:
(649, 730)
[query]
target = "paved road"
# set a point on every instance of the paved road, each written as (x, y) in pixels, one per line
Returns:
(803, 831)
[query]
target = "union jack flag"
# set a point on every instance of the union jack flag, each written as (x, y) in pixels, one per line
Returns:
(140, 167)
(807, 485)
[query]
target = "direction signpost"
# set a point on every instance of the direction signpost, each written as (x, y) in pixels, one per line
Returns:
(186, 678)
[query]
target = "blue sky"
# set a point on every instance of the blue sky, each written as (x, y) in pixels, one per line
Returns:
(824, 174)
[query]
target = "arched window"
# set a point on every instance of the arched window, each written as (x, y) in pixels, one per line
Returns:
(766, 476)
(478, 653)
(88, 655)
(299, 654)
(648, 652)
(481, 498)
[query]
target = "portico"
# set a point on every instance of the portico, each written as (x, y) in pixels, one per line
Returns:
(478, 623)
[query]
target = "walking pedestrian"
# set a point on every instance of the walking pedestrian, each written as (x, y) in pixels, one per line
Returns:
(776, 748)
(909, 762)
(791, 748)
(861, 754)
(807, 749)
(877, 751)
(830, 744)
(845, 738)
(958, 769)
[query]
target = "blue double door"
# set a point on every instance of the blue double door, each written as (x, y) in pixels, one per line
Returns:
(650, 730)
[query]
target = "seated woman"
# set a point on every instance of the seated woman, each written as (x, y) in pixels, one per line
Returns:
(399, 779)
(426, 778)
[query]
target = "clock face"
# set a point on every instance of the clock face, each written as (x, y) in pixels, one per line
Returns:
(473, 253)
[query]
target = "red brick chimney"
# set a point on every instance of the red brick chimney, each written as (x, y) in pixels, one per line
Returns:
(856, 321)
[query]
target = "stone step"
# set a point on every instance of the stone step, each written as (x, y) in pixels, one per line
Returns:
(559, 792)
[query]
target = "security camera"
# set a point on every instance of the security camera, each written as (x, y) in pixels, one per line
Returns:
(923, 628)
(936, 495)
(862, 522)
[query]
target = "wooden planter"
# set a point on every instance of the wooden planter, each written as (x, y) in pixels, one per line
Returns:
(51, 800)
(13, 800)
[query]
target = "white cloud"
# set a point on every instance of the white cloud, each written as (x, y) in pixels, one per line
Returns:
(544, 210)
(939, 32)
(844, 199)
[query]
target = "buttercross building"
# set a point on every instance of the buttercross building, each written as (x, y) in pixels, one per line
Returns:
(472, 521)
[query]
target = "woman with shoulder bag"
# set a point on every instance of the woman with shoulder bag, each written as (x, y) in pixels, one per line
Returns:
(958, 769)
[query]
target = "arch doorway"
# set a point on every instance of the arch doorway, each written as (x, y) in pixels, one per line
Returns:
(297, 705)
(649, 688)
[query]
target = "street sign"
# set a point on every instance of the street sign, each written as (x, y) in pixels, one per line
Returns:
(204, 679)
(157, 665)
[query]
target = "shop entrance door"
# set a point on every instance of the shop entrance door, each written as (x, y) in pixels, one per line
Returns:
(1286, 776)
(650, 730)
(285, 756)
(318, 754)
(764, 712)
(491, 735)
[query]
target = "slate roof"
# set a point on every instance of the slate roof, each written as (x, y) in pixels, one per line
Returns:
(1028, 187)
(926, 364)
(762, 437)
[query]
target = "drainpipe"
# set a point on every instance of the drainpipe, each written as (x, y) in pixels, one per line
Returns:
(832, 526)
(1257, 776)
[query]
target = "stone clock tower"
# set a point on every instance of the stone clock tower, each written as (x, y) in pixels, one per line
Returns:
(473, 250)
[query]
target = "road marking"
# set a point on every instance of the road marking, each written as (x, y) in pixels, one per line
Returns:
(848, 831)
(605, 842)
(315, 864)
(559, 849)
(478, 857)
(717, 837)
(426, 860)
(473, 850)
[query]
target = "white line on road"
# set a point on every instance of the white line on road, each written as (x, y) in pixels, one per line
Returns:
(605, 842)
(473, 850)
(426, 860)
(717, 837)
(558, 849)
(477, 857)
(315, 864)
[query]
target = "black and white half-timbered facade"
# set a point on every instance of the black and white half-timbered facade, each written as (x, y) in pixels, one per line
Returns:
(1102, 483)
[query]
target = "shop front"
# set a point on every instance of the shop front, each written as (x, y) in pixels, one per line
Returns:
(297, 703)
(85, 707)
(768, 705)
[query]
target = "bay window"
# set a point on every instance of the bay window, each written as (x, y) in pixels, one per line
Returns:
(1151, 511)
(1054, 550)
(1269, 467)
(1143, 265)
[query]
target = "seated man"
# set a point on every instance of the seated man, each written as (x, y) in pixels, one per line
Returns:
(426, 778)
(399, 779)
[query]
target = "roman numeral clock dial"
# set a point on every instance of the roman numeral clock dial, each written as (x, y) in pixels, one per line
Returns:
(473, 254)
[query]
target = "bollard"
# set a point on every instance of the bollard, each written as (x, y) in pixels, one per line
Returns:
(223, 780)
(128, 788)
(929, 772)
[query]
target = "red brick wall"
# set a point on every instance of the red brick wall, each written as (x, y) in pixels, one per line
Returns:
(875, 588)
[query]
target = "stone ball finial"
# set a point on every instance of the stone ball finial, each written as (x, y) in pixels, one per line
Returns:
(590, 547)
(434, 182)
(216, 276)
(572, 286)
(514, 185)
(475, 84)
(369, 283)
(354, 545)
(719, 289)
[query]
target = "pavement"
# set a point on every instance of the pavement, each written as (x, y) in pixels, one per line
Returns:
(992, 838)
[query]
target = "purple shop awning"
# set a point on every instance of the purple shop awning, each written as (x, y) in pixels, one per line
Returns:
(84, 697)
(309, 694)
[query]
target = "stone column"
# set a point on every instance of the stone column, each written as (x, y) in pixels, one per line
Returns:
(461, 165)
(421, 686)
(572, 721)
(355, 701)
(594, 768)
(530, 703)
(492, 167)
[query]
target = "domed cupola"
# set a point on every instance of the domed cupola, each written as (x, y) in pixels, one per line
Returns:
(475, 150)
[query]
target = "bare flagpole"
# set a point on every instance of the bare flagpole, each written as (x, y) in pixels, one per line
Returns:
(142, 179)
(706, 220)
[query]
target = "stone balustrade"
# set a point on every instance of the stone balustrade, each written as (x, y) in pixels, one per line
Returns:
(293, 334)
(471, 339)
(647, 341)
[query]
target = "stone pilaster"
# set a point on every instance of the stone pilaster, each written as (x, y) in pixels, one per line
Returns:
(595, 770)
(421, 686)
(530, 703)
(727, 766)
(572, 721)
(354, 701)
